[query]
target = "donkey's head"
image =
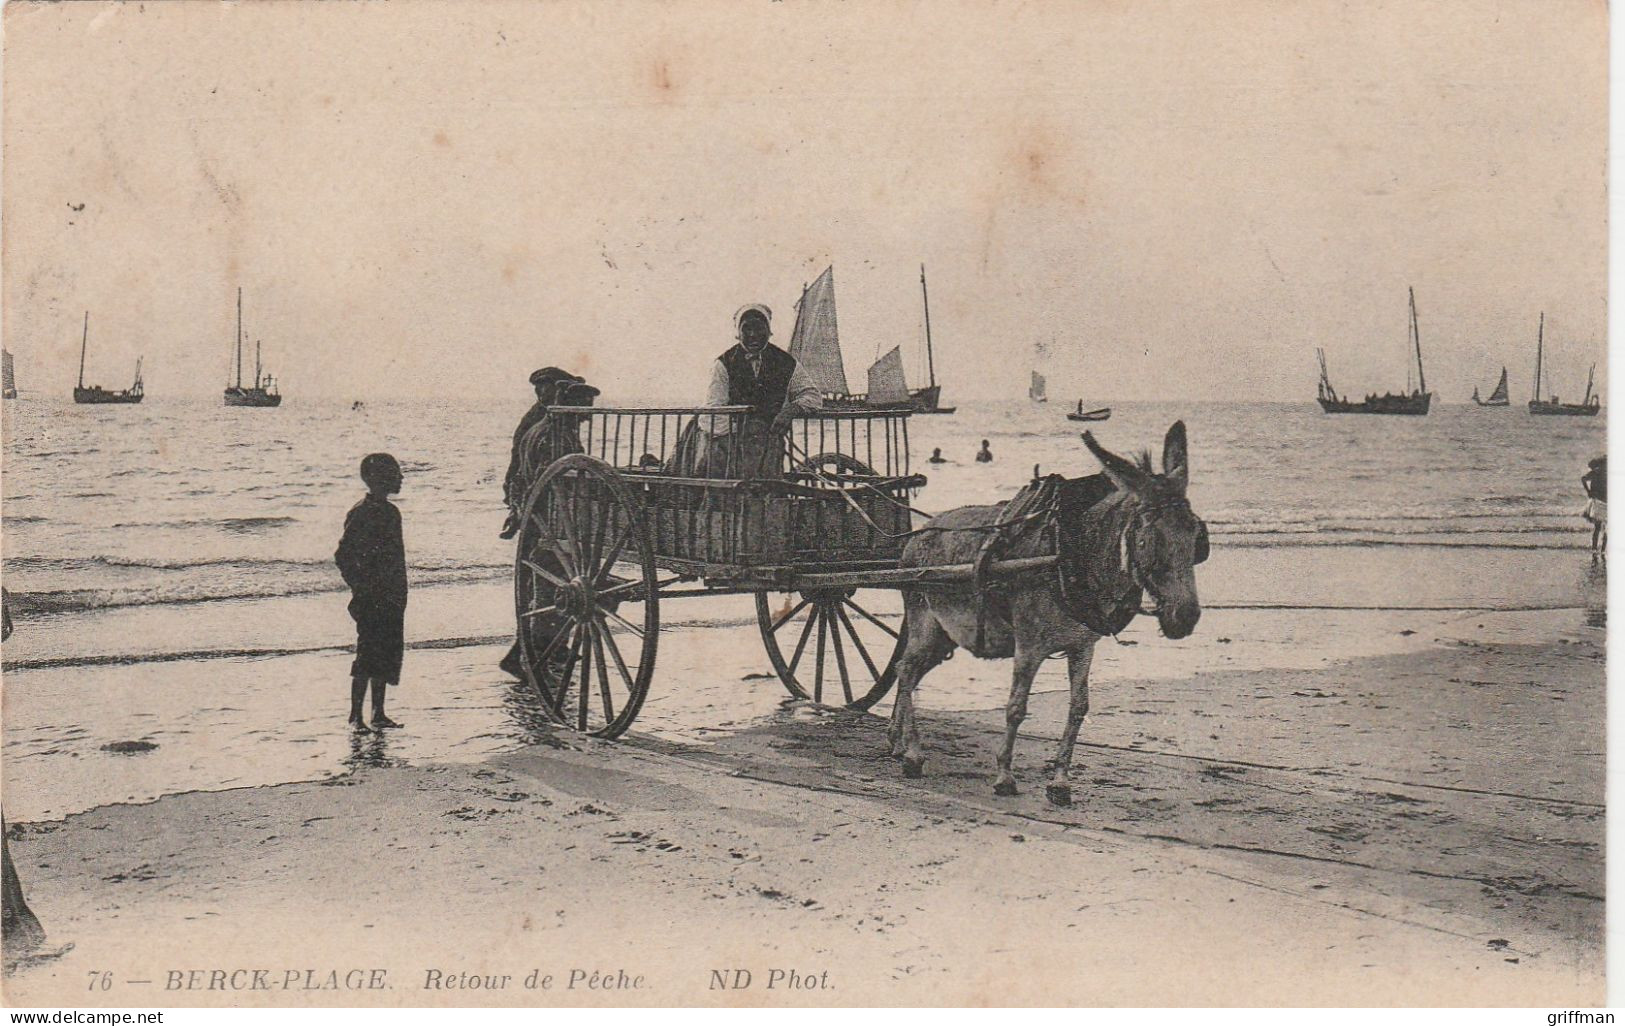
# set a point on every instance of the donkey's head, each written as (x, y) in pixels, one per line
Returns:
(1164, 540)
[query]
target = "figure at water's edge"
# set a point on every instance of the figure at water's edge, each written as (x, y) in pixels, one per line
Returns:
(1595, 483)
(19, 928)
(372, 557)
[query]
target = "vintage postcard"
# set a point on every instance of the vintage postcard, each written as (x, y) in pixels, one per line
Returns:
(792, 502)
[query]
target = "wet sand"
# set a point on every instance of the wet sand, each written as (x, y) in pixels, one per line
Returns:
(1419, 822)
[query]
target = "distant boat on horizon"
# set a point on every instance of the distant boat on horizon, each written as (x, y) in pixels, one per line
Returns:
(1104, 413)
(1414, 402)
(1036, 390)
(1552, 407)
(264, 392)
(9, 389)
(96, 395)
(1497, 397)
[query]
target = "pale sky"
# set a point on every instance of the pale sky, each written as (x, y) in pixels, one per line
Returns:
(425, 198)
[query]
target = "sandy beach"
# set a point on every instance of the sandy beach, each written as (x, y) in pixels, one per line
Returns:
(1419, 821)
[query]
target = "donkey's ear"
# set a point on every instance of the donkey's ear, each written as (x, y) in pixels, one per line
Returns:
(1122, 473)
(1175, 462)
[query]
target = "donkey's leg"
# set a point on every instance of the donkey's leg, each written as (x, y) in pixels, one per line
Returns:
(1015, 710)
(915, 612)
(928, 645)
(1078, 659)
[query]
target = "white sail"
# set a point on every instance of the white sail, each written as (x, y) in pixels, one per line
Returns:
(10, 384)
(816, 342)
(1035, 391)
(886, 381)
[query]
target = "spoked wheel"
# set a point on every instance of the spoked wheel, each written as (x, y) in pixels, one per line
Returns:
(586, 597)
(835, 465)
(843, 644)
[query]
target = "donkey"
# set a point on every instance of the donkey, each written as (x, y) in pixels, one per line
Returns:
(1118, 535)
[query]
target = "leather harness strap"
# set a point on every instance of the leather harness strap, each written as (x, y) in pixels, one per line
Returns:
(1035, 500)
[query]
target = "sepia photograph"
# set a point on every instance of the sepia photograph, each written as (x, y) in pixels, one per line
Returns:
(786, 503)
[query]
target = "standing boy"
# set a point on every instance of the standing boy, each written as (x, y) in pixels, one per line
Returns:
(372, 558)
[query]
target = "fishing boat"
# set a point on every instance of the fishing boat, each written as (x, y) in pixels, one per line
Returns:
(9, 391)
(815, 343)
(1551, 406)
(1036, 390)
(1104, 413)
(1497, 397)
(96, 394)
(264, 392)
(1413, 402)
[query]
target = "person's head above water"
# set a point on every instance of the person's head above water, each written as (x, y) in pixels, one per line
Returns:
(754, 326)
(381, 473)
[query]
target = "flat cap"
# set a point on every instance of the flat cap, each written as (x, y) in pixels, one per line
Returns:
(551, 374)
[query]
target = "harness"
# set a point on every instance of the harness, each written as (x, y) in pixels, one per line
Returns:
(1076, 522)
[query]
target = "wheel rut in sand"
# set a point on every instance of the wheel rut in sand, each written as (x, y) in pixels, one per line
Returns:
(1457, 860)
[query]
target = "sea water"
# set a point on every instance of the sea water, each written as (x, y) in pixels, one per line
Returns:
(178, 501)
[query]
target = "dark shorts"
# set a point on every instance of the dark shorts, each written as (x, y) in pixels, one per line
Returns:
(380, 643)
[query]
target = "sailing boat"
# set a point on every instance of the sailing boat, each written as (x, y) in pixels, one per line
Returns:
(1035, 390)
(815, 344)
(264, 392)
(96, 394)
(1412, 403)
(1497, 397)
(929, 398)
(1551, 407)
(10, 384)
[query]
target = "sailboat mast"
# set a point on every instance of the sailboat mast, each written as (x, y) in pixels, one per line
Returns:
(1416, 334)
(1540, 343)
(83, 342)
(239, 336)
(256, 363)
(930, 360)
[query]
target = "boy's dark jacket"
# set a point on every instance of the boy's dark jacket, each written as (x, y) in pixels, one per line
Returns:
(372, 555)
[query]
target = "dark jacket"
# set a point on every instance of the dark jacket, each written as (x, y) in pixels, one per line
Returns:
(765, 393)
(532, 417)
(372, 555)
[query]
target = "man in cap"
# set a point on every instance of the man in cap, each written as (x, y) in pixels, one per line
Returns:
(553, 435)
(546, 382)
(760, 375)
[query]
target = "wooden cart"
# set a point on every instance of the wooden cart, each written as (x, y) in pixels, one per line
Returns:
(661, 504)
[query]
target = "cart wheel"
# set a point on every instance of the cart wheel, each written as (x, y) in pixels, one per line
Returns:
(587, 635)
(843, 650)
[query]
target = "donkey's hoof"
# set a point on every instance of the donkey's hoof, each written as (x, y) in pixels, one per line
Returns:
(1005, 789)
(913, 769)
(1059, 794)
(895, 748)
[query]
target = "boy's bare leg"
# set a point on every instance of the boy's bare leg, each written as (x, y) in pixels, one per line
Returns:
(379, 720)
(358, 693)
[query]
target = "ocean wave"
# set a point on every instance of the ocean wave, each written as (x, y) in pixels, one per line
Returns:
(1309, 541)
(78, 600)
(1399, 532)
(236, 525)
(92, 563)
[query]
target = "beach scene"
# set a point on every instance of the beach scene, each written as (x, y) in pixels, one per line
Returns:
(725, 680)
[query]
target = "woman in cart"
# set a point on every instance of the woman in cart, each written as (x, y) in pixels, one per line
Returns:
(753, 373)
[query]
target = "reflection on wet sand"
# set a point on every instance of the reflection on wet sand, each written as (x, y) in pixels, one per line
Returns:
(1594, 589)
